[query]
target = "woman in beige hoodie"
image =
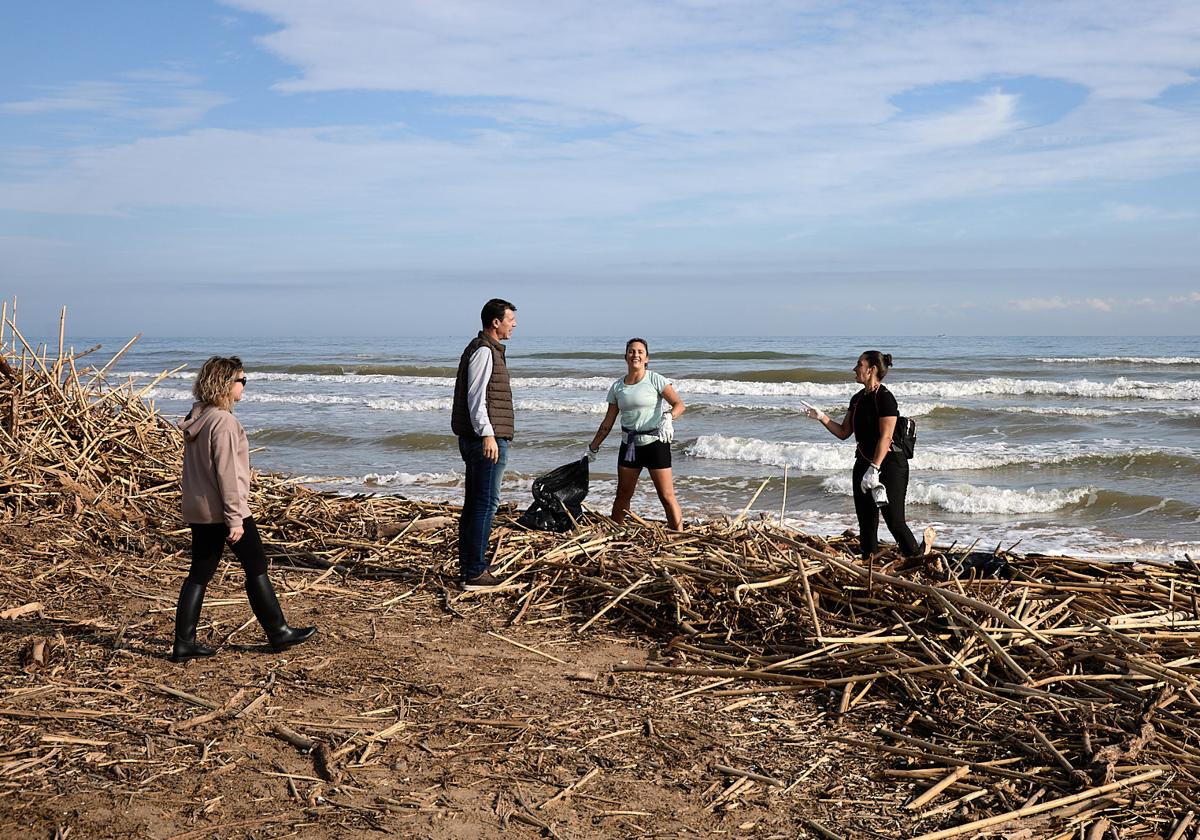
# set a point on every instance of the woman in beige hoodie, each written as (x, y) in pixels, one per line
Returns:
(216, 494)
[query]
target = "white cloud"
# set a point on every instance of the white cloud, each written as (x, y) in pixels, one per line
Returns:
(1040, 304)
(617, 129)
(1106, 305)
(164, 100)
(704, 67)
(1141, 212)
(987, 118)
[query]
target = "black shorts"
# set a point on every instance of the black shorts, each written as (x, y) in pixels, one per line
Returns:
(652, 456)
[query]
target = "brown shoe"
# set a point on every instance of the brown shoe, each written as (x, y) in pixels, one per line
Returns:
(484, 580)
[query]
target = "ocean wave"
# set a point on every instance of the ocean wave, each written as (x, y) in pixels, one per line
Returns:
(260, 397)
(1120, 388)
(356, 370)
(300, 436)
(736, 355)
(1070, 540)
(1062, 411)
(941, 458)
(1127, 360)
(391, 404)
(446, 403)
(407, 479)
(781, 375)
(967, 498)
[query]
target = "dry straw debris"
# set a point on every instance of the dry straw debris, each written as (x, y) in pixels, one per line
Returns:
(1061, 701)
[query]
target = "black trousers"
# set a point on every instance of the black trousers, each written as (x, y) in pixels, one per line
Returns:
(208, 541)
(894, 476)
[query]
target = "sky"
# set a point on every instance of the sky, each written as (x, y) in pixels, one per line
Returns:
(668, 167)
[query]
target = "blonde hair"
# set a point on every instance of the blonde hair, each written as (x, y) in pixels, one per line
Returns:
(214, 382)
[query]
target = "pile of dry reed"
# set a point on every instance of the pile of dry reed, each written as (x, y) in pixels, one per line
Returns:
(1061, 699)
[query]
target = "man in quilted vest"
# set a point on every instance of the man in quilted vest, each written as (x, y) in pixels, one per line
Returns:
(482, 417)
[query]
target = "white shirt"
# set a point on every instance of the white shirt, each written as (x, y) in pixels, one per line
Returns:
(479, 373)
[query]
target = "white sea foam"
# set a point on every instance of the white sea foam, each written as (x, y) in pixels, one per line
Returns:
(821, 457)
(384, 404)
(1119, 388)
(1061, 410)
(169, 394)
(966, 498)
(390, 404)
(1132, 360)
(1048, 538)
(406, 479)
(260, 397)
(143, 374)
(561, 407)
(1083, 411)
(814, 457)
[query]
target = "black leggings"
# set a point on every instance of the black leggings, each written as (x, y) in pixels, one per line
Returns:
(894, 476)
(208, 541)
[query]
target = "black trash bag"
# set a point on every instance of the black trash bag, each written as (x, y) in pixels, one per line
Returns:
(982, 564)
(556, 493)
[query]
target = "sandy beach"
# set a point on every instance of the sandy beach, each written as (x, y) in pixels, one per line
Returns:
(735, 679)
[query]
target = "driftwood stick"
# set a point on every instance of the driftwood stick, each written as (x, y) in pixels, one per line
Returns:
(1183, 825)
(748, 774)
(322, 762)
(1042, 808)
(614, 601)
(587, 777)
(527, 647)
(932, 793)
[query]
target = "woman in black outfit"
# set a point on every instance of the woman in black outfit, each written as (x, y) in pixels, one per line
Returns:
(872, 420)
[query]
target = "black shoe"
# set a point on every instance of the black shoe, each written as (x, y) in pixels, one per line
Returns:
(187, 616)
(270, 616)
(483, 580)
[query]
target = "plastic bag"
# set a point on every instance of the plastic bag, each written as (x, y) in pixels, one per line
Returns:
(556, 493)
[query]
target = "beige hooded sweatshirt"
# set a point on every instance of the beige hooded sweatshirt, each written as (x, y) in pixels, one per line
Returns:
(216, 467)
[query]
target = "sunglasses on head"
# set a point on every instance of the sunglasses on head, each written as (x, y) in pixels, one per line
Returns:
(240, 380)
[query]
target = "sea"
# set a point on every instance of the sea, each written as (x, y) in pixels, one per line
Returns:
(1084, 446)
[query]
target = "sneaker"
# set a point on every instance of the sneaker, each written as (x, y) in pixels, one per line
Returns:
(484, 580)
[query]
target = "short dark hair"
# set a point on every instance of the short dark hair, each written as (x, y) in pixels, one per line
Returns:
(880, 361)
(494, 309)
(641, 341)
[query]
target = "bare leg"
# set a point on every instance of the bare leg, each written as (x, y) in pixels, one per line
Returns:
(626, 483)
(665, 485)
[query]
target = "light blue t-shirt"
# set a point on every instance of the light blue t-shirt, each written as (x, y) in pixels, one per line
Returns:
(642, 405)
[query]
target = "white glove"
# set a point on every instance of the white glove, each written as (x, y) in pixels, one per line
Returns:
(879, 495)
(666, 429)
(814, 413)
(591, 454)
(870, 479)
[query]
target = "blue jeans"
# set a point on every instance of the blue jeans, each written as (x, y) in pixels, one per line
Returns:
(480, 501)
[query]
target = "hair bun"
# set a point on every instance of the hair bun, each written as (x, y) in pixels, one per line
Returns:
(887, 359)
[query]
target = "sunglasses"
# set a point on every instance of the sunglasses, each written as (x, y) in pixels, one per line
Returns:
(240, 380)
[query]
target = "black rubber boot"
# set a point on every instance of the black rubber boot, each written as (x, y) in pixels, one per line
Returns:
(187, 616)
(270, 616)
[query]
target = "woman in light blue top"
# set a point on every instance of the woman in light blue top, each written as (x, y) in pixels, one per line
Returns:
(648, 406)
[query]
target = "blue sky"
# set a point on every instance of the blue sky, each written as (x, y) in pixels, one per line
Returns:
(367, 167)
